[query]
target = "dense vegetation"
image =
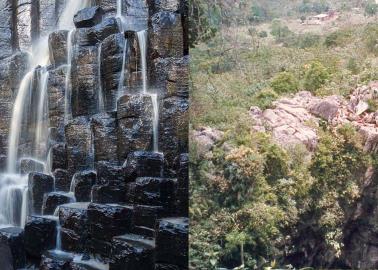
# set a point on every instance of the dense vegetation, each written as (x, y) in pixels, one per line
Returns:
(251, 199)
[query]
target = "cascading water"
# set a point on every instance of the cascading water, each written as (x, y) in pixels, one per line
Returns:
(16, 122)
(142, 40)
(42, 119)
(67, 97)
(120, 91)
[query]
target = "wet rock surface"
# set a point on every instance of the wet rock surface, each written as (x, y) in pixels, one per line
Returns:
(103, 158)
(39, 235)
(88, 17)
(12, 248)
(39, 185)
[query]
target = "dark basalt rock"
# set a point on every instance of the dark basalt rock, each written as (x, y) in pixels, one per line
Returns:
(100, 247)
(183, 185)
(164, 266)
(82, 185)
(111, 67)
(109, 220)
(155, 191)
(173, 128)
(28, 165)
(88, 17)
(62, 180)
(53, 260)
(144, 231)
(79, 147)
(134, 124)
(135, 15)
(131, 252)
(7, 36)
(93, 35)
(104, 127)
(84, 99)
(166, 35)
(109, 193)
(109, 173)
(52, 200)
(58, 157)
(58, 47)
(40, 234)
(12, 248)
(172, 241)
(171, 76)
(74, 222)
(48, 14)
(12, 69)
(39, 184)
(147, 215)
(130, 192)
(56, 98)
(143, 163)
(165, 5)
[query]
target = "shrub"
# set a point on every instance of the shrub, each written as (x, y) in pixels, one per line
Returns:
(263, 34)
(280, 31)
(352, 66)
(264, 98)
(338, 38)
(315, 77)
(285, 82)
(371, 38)
(371, 8)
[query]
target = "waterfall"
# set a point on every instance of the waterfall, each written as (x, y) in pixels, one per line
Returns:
(71, 8)
(41, 134)
(142, 39)
(120, 91)
(67, 97)
(155, 122)
(101, 106)
(25, 206)
(16, 122)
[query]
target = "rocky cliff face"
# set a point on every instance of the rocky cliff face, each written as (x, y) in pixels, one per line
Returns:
(102, 154)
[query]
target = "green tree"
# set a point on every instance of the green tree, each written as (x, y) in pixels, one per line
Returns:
(316, 76)
(371, 8)
(285, 82)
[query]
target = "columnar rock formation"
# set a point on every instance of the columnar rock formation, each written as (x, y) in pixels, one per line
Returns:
(93, 134)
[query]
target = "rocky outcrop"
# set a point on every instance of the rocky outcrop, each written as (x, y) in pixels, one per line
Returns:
(293, 120)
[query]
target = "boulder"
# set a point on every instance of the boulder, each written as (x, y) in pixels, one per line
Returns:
(132, 251)
(155, 191)
(62, 180)
(109, 193)
(93, 35)
(40, 235)
(58, 47)
(39, 184)
(74, 226)
(134, 115)
(88, 17)
(171, 76)
(53, 199)
(56, 89)
(172, 241)
(107, 173)
(173, 128)
(12, 248)
(109, 220)
(58, 157)
(82, 184)
(104, 127)
(28, 165)
(54, 260)
(79, 145)
(143, 163)
(147, 215)
(166, 35)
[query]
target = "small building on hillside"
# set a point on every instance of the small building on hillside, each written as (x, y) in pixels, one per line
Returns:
(318, 19)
